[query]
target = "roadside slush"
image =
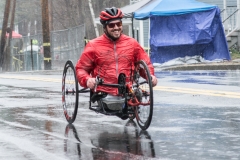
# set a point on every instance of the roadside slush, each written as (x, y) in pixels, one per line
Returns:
(226, 65)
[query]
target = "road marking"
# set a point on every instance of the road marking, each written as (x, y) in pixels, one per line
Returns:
(160, 88)
(32, 78)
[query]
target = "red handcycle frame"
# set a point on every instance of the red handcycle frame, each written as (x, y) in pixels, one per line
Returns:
(138, 95)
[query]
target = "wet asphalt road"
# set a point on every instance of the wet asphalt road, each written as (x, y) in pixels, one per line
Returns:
(196, 116)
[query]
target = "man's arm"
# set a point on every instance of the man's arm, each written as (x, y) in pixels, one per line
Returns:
(85, 66)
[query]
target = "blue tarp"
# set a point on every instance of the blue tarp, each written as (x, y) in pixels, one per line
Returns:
(184, 28)
(170, 7)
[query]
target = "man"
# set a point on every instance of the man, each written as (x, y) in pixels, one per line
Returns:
(110, 54)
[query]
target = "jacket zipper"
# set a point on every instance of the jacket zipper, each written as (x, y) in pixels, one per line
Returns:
(116, 58)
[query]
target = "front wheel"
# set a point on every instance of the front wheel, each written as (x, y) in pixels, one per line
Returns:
(69, 92)
(144, 93)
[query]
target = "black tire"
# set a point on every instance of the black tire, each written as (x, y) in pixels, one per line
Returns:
(144, 113)
(69, 92)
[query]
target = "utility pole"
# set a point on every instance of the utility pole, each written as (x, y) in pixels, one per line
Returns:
(4, 29)
(46, 36)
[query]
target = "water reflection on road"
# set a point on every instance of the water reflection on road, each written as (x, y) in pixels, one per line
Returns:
(132, 143)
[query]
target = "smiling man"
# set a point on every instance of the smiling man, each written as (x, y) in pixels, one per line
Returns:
(110, 55)
(114, 29)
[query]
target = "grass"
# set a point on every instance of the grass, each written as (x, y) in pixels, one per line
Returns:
(235, 54)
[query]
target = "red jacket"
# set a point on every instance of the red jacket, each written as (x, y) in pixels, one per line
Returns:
(108, 59)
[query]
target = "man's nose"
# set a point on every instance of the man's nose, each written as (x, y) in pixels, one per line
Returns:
(115, 26)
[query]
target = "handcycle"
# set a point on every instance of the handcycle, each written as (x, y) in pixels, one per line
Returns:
(135, 100)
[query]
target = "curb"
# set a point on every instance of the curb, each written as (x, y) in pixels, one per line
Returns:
(205, 66)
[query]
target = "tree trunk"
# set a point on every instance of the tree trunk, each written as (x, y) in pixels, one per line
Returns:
(9, 50)
(3, 36)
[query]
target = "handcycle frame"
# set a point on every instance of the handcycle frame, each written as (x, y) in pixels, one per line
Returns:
(138, 100)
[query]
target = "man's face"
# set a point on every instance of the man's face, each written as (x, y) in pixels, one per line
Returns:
(114, 28)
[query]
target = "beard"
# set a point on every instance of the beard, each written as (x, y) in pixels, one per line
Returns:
(114, 34)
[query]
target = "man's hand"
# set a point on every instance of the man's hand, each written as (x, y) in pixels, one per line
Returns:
(154, 80)
(91, 82)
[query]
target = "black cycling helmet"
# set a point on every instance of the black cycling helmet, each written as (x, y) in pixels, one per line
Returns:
(110, 14)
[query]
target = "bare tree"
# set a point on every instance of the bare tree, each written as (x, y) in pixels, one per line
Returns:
(28, 14)
(4, 29)
(69, 13)
(63, 14)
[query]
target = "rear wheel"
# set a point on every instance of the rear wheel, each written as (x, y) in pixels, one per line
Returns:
(69, 92)
(144, 94)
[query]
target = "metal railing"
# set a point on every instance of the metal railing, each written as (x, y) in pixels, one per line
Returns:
(230, 21)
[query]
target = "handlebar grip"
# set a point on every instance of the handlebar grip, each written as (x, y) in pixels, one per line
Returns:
(98, 81)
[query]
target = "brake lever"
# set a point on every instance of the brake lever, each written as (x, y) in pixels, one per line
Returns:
(98, 81)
